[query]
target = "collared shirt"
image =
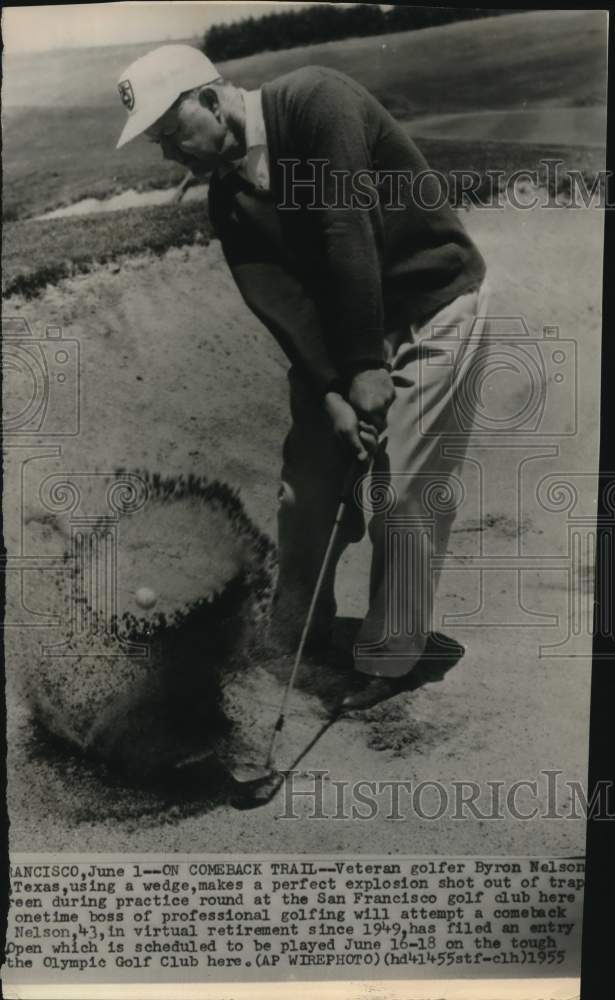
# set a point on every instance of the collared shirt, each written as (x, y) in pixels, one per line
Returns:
(254, 166)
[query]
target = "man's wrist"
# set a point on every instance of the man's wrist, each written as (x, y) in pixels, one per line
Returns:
(335, 385)
(352, 370)
(341, 383)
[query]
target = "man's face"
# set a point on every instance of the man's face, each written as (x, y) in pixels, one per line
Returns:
(193, 132)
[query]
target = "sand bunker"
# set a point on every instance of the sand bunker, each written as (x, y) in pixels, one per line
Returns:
(126, 199)
(175, 374)
(140, 688)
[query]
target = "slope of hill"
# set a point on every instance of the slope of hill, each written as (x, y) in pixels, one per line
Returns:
(583, 126)
(62, 116)
(66, 77)
(546, 57)
(54, 156)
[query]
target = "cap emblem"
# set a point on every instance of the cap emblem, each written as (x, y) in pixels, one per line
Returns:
(127, 94)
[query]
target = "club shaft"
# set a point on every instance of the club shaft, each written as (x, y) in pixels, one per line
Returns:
(341, 510)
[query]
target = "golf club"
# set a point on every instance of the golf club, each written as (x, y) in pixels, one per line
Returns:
(247, 773)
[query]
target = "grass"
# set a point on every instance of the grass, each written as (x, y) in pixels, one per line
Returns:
(62, 115)
(448, 155)
(586, 126)
(41, 253)
(542, 58)
(36, 136)
(29, 192)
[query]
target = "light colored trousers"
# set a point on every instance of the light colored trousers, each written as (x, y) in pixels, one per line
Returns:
(414, 486)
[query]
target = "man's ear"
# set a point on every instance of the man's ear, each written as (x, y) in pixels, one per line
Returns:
(208, 98)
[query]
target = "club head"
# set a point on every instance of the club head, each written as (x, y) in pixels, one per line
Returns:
(251, 795)
(251, 774)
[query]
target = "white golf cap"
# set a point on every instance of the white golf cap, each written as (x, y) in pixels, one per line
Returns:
(151, 84)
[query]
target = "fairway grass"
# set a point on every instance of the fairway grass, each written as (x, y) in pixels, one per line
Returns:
(37, 253)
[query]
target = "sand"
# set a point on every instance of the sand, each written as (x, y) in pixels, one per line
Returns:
(125, 199)
(177, 376)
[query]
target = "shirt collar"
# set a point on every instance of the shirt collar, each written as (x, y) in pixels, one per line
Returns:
(255, 122)
(255, 133)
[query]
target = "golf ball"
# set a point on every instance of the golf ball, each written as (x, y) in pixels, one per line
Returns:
(145, 597)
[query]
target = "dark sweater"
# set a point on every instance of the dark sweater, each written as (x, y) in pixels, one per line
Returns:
(329, 280)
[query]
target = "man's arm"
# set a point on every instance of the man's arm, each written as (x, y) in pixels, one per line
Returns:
(330, 125)
(268, 287)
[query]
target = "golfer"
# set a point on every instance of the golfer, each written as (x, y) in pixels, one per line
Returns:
(341, 241)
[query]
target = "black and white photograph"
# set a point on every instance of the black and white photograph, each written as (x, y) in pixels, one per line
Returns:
(302, 320)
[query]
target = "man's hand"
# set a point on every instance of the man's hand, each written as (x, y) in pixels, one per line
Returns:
(361, 437)
(370, 394)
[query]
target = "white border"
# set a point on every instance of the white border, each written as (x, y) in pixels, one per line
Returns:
(431, 989)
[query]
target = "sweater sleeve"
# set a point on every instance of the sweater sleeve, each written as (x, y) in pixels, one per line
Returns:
(330, 126)
(272, 292)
